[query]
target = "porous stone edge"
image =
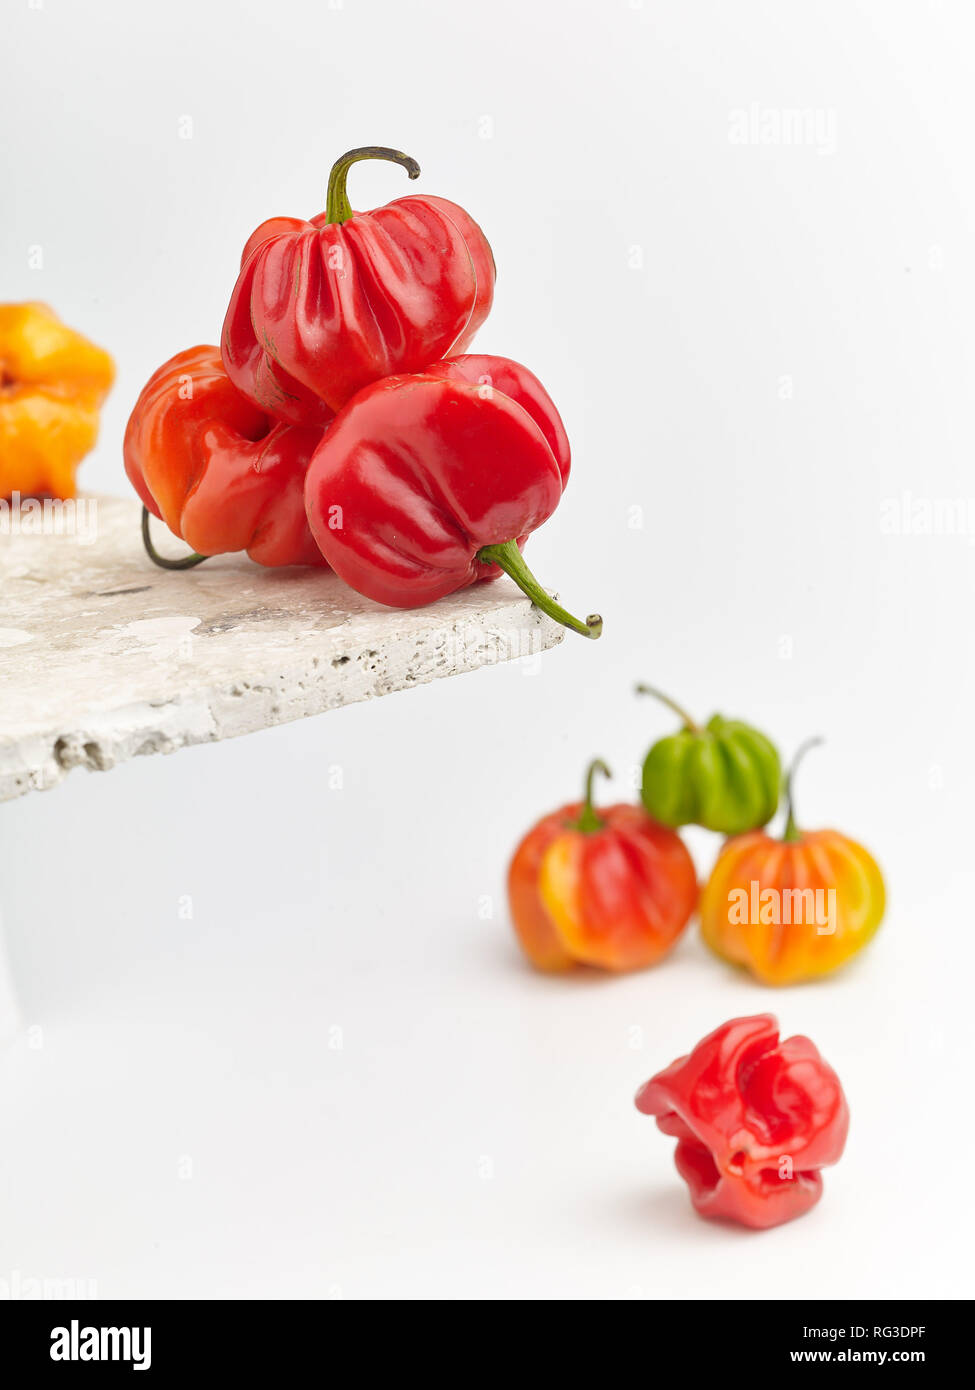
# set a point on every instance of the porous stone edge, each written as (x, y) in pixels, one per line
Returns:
(102, 739)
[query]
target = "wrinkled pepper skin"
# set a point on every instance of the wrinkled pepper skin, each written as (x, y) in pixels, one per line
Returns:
(724, 775)
(425, 484)
(607, 888)
(755, 1119)
(759, 887)
(221, 473)
(324, 307)
(52, 384)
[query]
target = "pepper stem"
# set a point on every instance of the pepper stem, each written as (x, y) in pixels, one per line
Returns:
(187, 562)
(509, 558)
(589, 818)
(689, 723)
(337, 205)
(792, 831)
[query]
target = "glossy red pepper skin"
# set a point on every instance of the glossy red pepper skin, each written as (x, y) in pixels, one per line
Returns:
(322, 308)
(520, 385)
(221, 473)
(754, 1118)
(419, 472)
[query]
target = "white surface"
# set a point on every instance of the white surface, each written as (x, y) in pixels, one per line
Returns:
(117, 658)
(318, 1170)
(10, 1016)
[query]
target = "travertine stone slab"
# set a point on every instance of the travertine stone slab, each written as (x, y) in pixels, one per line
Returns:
(104, 656)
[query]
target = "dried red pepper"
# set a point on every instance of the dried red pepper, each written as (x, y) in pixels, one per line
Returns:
(425, 484)
(754, 1118)
(324, 307)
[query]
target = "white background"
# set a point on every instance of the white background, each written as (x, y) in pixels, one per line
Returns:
(754, 347)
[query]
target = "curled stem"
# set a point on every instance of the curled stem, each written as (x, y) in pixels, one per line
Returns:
(187, 562)
(337, 205)
(792, 831)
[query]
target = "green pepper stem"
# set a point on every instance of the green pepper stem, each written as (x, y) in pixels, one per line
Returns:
(187, 562)
(337, 205)
(792, 831)
(689, 723)
(589, 818)
(509, 558)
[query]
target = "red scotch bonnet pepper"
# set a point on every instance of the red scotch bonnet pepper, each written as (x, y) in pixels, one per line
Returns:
(754, 1118)
(324, 307)
(425, 484)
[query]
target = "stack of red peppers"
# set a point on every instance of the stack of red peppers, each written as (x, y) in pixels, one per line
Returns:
(342, 421)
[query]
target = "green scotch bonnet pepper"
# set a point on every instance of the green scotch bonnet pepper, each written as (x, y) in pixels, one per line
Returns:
(723, 775)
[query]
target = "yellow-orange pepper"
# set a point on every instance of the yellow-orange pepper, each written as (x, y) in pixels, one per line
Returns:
(52, 383)
(795, 908)
(608, 888)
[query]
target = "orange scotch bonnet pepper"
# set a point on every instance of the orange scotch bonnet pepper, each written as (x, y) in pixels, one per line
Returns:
(608, 888)
(220, 472)
(52, 384)
(792, 909)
